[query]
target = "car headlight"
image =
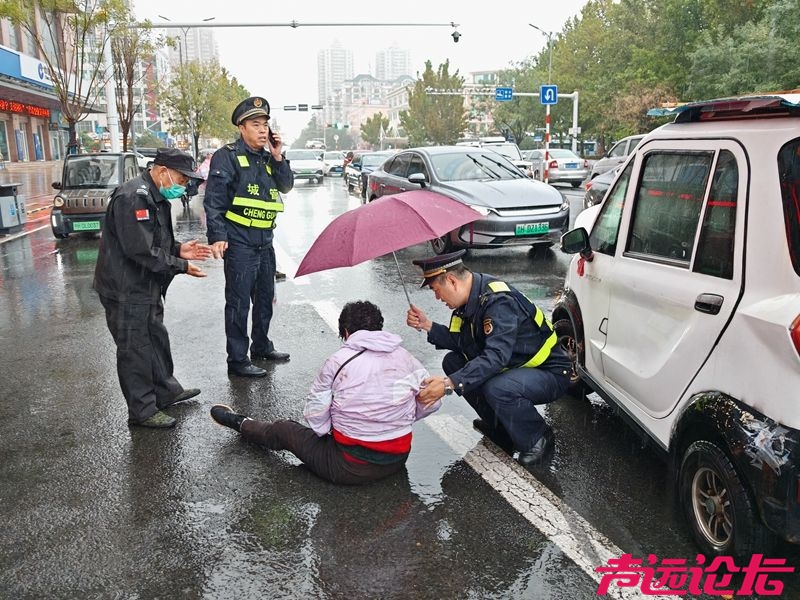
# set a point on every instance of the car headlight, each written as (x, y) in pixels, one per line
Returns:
(58, 201)
(481, 209)
(564, 205)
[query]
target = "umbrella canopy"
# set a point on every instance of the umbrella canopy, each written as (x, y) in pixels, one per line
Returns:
(382, 226)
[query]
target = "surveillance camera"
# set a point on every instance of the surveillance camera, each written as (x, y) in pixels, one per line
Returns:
(456, 36)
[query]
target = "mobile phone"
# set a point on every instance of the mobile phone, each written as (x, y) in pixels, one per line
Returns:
(271, 138)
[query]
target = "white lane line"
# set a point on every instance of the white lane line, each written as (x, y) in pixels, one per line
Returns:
(576, 538)
(582, 543)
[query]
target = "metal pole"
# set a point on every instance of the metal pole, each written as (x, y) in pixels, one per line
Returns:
(549, 36)
(111, 99)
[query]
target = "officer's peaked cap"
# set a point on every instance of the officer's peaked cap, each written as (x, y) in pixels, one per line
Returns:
(254, 106)
(436, 265)
(179, 161)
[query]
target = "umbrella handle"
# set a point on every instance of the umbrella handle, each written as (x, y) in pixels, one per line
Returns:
(400, 273)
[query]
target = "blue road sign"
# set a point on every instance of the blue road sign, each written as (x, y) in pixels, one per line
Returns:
(548, 94)
(503, 94)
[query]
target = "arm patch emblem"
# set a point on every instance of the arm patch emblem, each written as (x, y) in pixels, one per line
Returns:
(487, 326)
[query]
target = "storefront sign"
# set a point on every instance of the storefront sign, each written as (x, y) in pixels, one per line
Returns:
(24, 109)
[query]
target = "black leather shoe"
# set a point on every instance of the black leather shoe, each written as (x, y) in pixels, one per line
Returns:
(280, 276)
(539, 451)
(224, 415)
(248, 370)
(184, 395)
(499, 437)
(274, 355)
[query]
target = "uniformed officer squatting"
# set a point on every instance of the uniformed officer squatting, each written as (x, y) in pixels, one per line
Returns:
(504, 359)
(242, 202)
(137, 261)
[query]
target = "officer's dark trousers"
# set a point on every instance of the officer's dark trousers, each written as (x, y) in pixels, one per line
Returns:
(249, 277)
(508, 400)
(320, 454)
(144, 360)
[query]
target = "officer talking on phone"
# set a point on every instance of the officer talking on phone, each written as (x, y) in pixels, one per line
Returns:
(242, 202)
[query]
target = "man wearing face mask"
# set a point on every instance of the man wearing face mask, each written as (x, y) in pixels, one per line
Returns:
(137, 261)
(242, 202)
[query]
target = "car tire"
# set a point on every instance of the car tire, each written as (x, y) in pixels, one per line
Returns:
(569, 342)
(536, 176)
(442, 245)
(576, 183)
(60, 236)
(718, 507)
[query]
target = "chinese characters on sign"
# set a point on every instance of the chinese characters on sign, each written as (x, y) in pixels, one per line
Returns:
(673, 576)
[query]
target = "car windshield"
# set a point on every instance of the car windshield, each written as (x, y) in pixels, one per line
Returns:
(464, 166)
(334, 156)
(96, 170)
(374, 160)
(559, 153)
(508, 150)
(302, 155)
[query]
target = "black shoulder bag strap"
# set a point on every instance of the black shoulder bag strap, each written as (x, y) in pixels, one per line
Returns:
(342, 367)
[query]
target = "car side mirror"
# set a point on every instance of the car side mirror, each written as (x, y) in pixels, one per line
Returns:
(56, 185)
(418, 178)
(576, 241)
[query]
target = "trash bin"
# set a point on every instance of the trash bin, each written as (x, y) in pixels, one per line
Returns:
(11, 217)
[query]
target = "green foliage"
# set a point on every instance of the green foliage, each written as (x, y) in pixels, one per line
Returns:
(431, 119)
(371, 129)
(71, 37)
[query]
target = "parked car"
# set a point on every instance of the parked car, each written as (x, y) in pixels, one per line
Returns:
(616, 155)
(360, 167)
(305, 164)
(333, 162)
(144, 162)
(681, 309)
(516, 209)
(87, 182)
(563, 166)
(596, 188)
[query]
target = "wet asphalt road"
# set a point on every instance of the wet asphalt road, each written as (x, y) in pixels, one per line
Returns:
(92, 509)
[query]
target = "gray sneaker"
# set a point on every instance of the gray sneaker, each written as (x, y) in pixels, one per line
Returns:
(159, 420)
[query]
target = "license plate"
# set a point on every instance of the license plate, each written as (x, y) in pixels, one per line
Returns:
(86, 226)
(571, 166)
(531, 228)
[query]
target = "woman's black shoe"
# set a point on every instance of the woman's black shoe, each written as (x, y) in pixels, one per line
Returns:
(225, 416)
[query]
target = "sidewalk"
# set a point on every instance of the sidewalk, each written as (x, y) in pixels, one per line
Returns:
(37, 189)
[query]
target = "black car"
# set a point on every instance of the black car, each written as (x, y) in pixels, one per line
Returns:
(516, 210)
(360, 167)
(596, 188)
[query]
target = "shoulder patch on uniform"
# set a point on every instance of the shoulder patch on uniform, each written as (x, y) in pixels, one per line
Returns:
(142, 214)
(498, 286)
(487, 326)
(231, 147)
(142, 190)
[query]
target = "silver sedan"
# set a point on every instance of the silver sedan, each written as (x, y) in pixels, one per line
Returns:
(562, 166)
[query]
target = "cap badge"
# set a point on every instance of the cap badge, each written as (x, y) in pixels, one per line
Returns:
(257, 102)
(487, 326)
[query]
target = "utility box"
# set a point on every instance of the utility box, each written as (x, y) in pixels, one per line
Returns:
(12, 209)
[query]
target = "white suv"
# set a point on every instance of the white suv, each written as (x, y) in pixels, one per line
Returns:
(682, 310)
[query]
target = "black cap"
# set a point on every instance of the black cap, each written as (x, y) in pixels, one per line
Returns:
(436, 265)
(174, 159)
(254, 106)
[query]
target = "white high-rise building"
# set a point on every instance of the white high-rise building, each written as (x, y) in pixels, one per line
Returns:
(391, 63)
(334, 66)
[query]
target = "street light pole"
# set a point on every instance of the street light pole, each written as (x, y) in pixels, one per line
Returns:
(547, 106)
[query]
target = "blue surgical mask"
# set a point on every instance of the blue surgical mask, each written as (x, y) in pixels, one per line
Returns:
(174, 191)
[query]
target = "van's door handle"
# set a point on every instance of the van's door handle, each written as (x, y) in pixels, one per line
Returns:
(709, 303)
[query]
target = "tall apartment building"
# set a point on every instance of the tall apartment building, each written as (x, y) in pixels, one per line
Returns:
(334, 67)
(196, 44)
(392, 63)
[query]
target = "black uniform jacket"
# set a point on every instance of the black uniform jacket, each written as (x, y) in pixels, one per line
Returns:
(138, 255)
(221, 186)
(497, 333)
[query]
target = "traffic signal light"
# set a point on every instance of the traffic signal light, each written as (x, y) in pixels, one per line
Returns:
(337, 125)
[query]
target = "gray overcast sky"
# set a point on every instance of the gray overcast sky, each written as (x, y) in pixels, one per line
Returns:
(280, 63)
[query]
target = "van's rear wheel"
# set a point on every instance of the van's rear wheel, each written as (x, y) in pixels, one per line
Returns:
(718, 506)
(442, 245)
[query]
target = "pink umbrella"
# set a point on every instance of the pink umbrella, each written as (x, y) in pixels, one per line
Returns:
(382, 226)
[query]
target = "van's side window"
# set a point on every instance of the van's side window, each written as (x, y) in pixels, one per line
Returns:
(715, 247)
(604, 233)
(668, 205)
(789, 171)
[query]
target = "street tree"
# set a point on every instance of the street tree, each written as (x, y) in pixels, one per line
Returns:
(374, 129)
(132, 57)
(435, 119)
(70, 37)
